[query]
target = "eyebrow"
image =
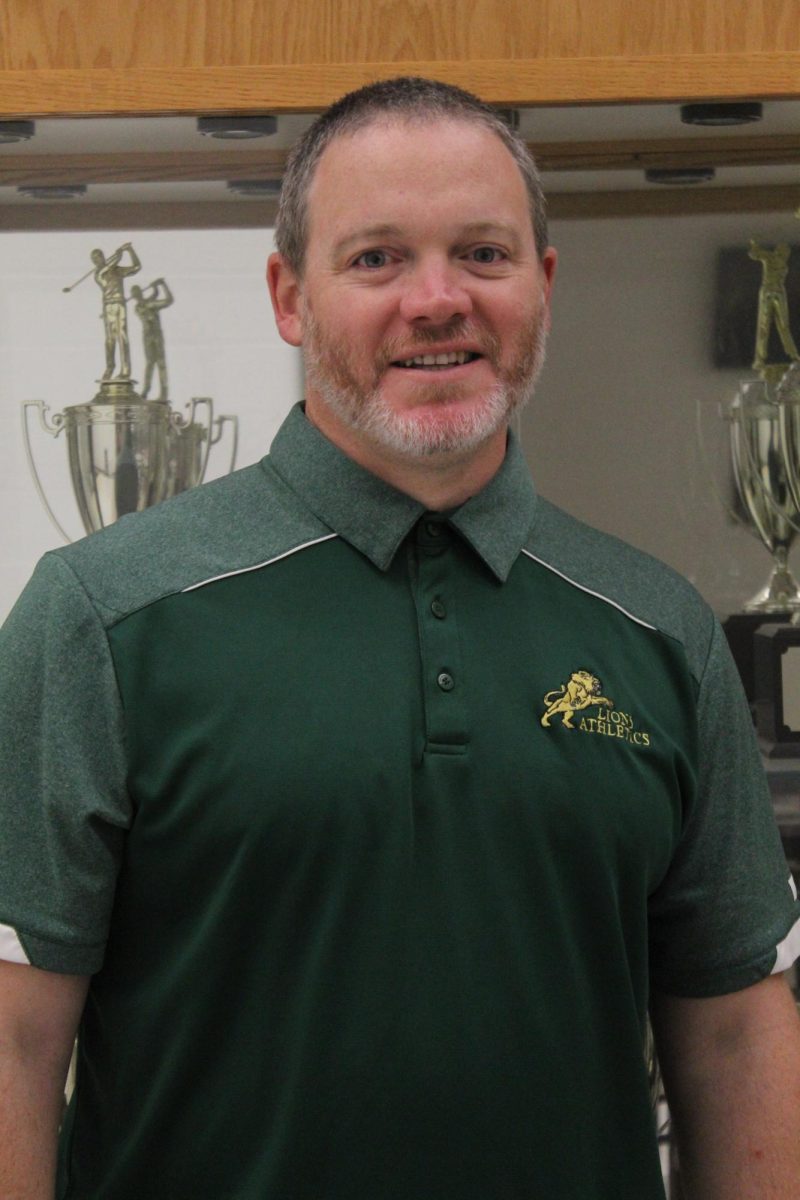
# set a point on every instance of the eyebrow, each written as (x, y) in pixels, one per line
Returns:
(476, 229)
(368, 234)
(489, 228)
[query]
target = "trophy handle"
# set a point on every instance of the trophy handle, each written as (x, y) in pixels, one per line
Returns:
(218, 423)
(54, 429)
(194, 404)
(723, 502)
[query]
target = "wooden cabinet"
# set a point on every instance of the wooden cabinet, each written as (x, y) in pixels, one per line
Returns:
(183, 56)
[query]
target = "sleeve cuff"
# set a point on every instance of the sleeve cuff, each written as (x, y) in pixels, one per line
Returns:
(29, 950)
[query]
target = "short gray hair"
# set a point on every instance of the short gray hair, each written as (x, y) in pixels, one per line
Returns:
(406, 98)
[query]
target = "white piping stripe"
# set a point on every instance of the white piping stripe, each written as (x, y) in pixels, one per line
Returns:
(793, 886)
(11, 947)
(788, 950)
(589, 591)
(257, 567)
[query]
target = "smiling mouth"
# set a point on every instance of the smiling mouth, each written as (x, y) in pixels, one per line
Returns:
(437, 362)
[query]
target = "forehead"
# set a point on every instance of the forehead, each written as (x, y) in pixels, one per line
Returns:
(415, 170)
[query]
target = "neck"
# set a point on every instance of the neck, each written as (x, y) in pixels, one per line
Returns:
(439, 481)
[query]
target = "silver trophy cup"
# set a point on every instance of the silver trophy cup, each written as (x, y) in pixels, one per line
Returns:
(126, 454)
(759, 457)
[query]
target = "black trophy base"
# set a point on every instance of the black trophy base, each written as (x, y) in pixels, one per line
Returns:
(777, 682)
(740, 630)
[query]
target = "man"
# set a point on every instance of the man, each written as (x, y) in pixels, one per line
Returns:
(149, 303)
(358, 923)
(109, 275)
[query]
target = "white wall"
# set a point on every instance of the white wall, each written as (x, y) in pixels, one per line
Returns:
(612, 431)
(220, 338)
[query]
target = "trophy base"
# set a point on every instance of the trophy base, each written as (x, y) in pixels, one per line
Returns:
(780, 594)
(117, 391)
(767, 605)
(740, 629)
(777, 674)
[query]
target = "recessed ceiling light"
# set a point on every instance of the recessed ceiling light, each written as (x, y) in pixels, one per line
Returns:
(264, 188)
(729, 112)
(679, 175)
(16, 131)
(236, 128)
(53, 191)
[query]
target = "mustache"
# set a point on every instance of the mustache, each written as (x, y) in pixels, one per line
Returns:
(481, 340)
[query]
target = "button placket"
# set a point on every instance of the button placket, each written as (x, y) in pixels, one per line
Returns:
(435, 589)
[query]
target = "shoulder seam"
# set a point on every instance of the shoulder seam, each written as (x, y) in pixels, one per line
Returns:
(257, 566)
(702, 676)
(591, 592)
(95, 604)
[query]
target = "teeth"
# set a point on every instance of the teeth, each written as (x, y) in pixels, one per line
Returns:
(454, 358)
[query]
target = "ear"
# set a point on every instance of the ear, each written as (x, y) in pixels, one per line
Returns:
(548, 264)
(287, 299)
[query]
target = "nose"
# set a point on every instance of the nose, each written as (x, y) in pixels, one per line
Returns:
(434, 294)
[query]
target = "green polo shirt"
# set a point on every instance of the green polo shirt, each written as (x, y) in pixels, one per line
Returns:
(374, 827)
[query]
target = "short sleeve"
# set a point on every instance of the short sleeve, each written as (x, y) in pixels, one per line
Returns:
(726, 915)
(64, 806)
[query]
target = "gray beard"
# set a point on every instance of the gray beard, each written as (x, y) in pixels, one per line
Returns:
(408, 435)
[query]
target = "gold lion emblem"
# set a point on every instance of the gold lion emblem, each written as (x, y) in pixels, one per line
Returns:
(582, 691)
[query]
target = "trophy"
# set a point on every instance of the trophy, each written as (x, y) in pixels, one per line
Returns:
(761, 473)
(762, 462)
(127, 452)
(765, 451)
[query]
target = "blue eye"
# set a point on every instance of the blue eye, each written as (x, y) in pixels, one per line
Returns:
(487, 254)
(372, 259)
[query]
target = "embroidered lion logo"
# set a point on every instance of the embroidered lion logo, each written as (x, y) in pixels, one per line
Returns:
(582, 691)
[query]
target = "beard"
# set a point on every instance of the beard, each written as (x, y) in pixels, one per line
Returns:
(440, 426)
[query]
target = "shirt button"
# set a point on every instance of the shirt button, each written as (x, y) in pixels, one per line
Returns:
(433, 529)
(438, 609)
(445, 681)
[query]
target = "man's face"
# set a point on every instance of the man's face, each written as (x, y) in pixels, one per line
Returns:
(423, 308)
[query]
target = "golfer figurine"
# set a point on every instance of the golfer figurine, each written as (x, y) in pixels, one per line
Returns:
(149, 303)
(109, 275)
(772, 302)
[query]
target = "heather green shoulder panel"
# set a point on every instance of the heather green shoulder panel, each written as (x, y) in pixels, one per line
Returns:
(231, 524)
(638, 583)
(63, 771)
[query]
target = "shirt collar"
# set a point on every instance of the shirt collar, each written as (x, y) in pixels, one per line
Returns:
(375, 518)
